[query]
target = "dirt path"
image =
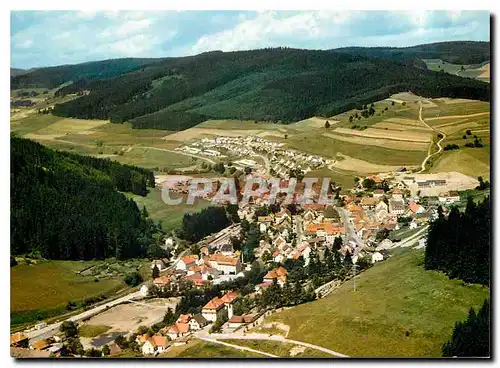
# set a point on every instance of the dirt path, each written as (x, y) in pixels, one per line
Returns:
(237, 346)
(257, 336)
(429, 154)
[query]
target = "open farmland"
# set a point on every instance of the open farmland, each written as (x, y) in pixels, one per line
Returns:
(398, 310)
(68, 280)
(398, 135)
(170, 216)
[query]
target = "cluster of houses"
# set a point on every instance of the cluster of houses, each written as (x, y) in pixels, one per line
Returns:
(282, 160)
(293, 236)
(22, 347)
(179, 332)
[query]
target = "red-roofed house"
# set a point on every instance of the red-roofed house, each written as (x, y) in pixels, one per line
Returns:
(186, 262)
(278, 274)
(415, 208)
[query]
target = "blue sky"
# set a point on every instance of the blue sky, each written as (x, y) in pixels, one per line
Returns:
(44, 38)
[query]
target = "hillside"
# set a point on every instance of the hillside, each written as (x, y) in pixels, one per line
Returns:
(52, 77)
(279, 85)
(398, 310)
(67, 206)
(458, 52)
(15, 72)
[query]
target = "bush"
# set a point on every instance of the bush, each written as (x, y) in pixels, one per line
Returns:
(133, 279)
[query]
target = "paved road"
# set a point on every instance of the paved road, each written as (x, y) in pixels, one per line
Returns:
(279, 338)
(413, 238)
(429, 155)
(350, 231)
(51, 329)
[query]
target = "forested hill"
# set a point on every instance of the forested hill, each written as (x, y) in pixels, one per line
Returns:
(457, 52)
(52, 77)
(66, 206)
(280, 85)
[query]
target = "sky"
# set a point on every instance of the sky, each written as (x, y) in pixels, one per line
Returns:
(46, 38)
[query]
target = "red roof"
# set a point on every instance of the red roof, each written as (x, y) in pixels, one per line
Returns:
(229, 297)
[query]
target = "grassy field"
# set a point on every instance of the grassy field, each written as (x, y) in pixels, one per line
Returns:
(92, 330)
(170, 216)
(151, 158)
(469, 161)
(281, 349)
(203, 349)
(42, 290)
(398, 310)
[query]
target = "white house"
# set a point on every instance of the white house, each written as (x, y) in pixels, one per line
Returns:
(197, 322)
(377, 257)
(186, 262)
(449, 198)
(144, 290)
(155, 344)
(396, 207)
(225, 264)
(161, 264)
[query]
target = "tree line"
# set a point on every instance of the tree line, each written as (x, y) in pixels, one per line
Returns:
(68, 207)
(459, 245)
(471, 338)
(277, 85)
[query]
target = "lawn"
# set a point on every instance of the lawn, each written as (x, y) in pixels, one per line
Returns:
(43, 290)
(170, 216)
(398, 310)
(203, 349)
(92, 330)
(281, 349)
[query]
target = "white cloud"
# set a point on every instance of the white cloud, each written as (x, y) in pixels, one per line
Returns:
(127, 28)
(25, 44)
(269, 28)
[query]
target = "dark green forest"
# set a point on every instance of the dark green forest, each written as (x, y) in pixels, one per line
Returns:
(279, 85)
(54, 76)
(65, 206)
(458, 52)
(197, 225)
(471, 338)
(459, 245)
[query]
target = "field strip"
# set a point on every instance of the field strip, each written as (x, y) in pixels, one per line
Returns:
(412, 122)
(192, 133)
(456, 128)
(458, 116)
(356, 165)
(393, 135)
(452, 123)
(380, 142)
(399, 127)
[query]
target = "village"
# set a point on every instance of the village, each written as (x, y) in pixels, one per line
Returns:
(278, 161)
(381, 212)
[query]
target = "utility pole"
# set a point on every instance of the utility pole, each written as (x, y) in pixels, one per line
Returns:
(354, 266)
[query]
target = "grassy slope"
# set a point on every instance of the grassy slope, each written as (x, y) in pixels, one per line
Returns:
(45, 288)
(393, 297)
(169, 215)
(281, 349)
(203, 349)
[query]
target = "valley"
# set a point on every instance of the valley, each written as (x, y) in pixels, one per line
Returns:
(102, 265)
